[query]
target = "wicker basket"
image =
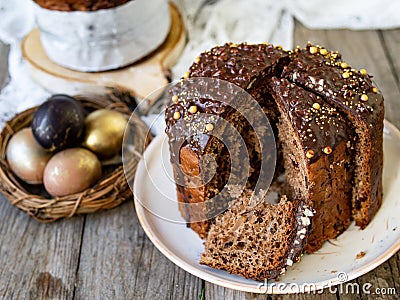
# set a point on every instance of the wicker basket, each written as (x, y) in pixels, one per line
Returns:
(110, 191)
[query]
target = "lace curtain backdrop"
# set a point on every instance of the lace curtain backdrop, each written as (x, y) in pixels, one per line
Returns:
(209, 23)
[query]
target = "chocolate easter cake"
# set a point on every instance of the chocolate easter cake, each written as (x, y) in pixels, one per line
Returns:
(100, 35)
(79, 5)
(328, 123)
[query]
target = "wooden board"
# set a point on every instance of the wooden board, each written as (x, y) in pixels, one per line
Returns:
(121, 259)
(37, 260)
(144, 78)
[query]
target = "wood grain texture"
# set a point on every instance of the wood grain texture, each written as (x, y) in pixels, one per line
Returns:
(118, 261)
(37, 261)
(390, 40)
(216, 292)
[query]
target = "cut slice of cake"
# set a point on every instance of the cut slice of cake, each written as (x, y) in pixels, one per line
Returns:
(317, 145)
(354, 95)
(258, 240)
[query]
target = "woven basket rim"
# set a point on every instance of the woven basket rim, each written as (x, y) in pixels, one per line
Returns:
(110, 191)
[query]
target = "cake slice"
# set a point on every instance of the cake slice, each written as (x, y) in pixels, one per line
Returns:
(317, 145)
(258, 240)
(354, 95)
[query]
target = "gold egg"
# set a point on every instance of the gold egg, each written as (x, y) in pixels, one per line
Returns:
(104, 132)
(26, 158)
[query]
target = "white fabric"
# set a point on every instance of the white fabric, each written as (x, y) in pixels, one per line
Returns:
(209, 22)
(16, 20)
(352, 14)
(273, 21)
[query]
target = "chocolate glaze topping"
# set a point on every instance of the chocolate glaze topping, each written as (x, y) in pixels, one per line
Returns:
(314, 67)
(238, 64)
(241, 65)
(328, 75)
(192, 127)
(311, 115)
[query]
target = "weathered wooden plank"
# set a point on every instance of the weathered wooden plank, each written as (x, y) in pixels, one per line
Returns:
(391, 42)
(325, 294)
(186, 286)
(214, 292)
(37, 261)
(379, 280)
(218, 292)
(394, 264)
(119, 262)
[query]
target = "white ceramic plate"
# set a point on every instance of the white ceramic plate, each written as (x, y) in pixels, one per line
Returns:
(352, 254)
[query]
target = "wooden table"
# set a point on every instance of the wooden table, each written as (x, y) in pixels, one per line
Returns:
(108, 256)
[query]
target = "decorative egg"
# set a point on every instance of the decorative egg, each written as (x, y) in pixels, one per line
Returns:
(71, 171)
(104, 132)
(26, 158)
(58, 123)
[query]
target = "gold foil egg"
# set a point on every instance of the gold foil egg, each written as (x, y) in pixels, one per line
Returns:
(26, 158)
(104, 132)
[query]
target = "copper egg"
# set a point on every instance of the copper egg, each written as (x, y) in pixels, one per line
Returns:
(104, 132)
(71, 171)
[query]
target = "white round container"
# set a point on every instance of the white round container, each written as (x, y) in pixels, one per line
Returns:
(105, 39)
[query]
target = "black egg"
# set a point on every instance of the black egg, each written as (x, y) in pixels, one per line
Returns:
(58, 123)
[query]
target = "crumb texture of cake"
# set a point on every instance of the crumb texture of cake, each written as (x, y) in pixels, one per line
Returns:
(79, 5)
(327, 118)
(258, 240)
